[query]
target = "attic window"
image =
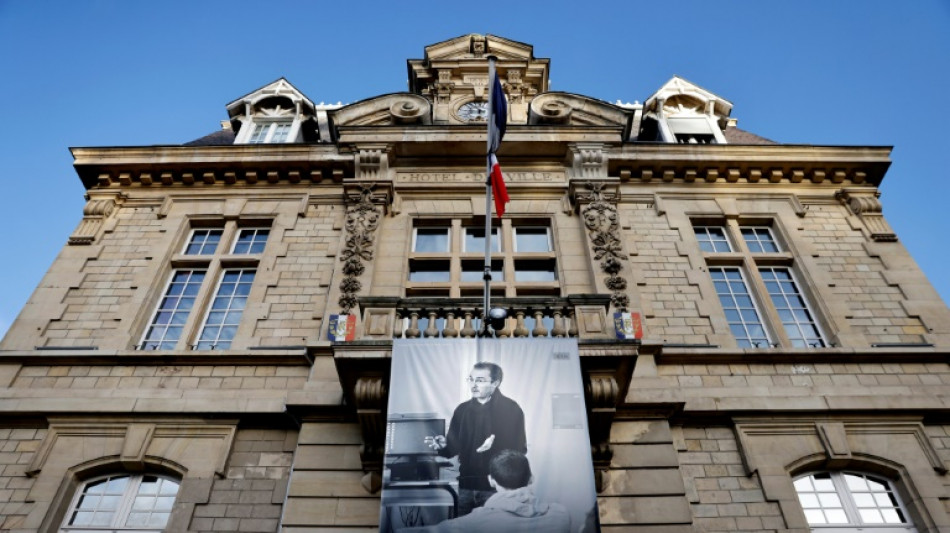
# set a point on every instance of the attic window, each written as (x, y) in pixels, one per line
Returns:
(692, 130)
(270, 132)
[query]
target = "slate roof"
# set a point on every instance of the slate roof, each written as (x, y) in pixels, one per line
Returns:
(218, 138)
(738, 136)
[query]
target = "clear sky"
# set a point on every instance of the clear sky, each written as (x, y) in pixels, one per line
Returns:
(111, 73)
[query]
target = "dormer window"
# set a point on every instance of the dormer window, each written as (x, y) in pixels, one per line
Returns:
(684, 113)
(275, 114)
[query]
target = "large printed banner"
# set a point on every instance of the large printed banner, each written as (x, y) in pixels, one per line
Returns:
(487, 435)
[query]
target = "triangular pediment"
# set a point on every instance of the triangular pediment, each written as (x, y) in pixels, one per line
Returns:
(681, 96)
(279, 89)
(473, 46)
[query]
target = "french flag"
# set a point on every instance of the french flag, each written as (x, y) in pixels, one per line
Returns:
(497, 122)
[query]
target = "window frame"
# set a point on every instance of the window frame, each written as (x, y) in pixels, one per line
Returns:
(849, 505)
(201, 252)
(504, 260)
(214, 266)
(263, 131)
(755, 306)
(751, 263)
(211, 309)
(123, 508)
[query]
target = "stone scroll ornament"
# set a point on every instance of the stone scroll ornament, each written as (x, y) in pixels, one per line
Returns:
(602, 221)
(362, 219)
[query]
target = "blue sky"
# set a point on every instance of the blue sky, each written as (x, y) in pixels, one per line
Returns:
(110, 73)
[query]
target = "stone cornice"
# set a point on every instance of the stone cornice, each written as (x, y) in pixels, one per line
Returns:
(188, 165)
(766, 163)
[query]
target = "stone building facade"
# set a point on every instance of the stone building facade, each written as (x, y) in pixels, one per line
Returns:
(793, 370)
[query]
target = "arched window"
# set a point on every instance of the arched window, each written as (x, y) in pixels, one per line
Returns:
(122, 503)
(850, 501)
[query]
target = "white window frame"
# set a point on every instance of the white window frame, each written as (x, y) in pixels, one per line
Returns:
(740, 256)
(123, 508)
(755, 307)
(448, 239)
(808, 304)
(237, 238)
(495, 240)
(768, 229)
(850, 507)
(725, 234)
(514, 238)
(158, 308)
(263, 131)
(217, 292)
(191, 238)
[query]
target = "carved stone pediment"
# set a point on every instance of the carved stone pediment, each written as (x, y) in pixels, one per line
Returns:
(280, 89)
(385, 110)
(575, 110)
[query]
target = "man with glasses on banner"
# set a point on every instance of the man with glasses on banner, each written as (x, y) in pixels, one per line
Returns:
(481, 428)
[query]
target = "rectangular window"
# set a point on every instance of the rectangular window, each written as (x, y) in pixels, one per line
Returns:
(535, 270)
(474, 270)
(430, 240)
(168, 323)
(447, 259)
(228, 304)
(475, 240)
(204, 258)
(429, 271)
(203, 242)
(712, 239)
(532, 239)
(760, 239)
(251, 241)
(741, 313)
(270, 132)
(280, 132)
(260, 134)
(793, 309)
(745, 290)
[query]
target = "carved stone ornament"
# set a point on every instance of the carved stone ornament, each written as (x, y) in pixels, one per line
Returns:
(370, 396)
(547, 109)
(94, 214)
(362, 219)
(409, 111)
(603, 225)
(866, 206)
(603, 393)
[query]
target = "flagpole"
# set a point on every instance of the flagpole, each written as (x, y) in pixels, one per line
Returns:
(488, 199)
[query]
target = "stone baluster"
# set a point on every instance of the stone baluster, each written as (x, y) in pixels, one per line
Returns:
(412, 332)
(520, 329)
(539, 329)
(558, 330)
(468, 330)
(432, 329)
(450, 330)
(572, 331)
(505, 331)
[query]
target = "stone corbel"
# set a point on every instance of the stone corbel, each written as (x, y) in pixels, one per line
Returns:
(95, 213)
(606, 380)
(372, 161)
(865, 205)
(370, 397)
(588, 160)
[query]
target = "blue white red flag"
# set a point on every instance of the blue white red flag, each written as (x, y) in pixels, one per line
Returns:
(497, 123)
